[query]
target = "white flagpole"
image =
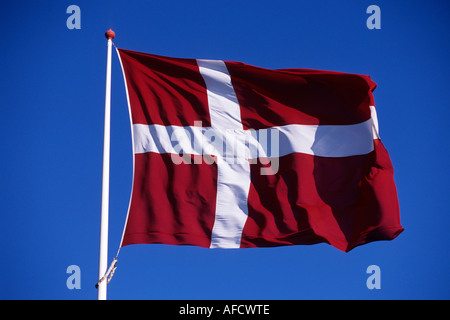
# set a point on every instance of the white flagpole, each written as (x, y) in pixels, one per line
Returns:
(103, 254)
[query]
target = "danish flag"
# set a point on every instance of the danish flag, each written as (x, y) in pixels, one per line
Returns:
(229, 155)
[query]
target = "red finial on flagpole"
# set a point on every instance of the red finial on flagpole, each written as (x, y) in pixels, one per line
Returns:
(110, 34)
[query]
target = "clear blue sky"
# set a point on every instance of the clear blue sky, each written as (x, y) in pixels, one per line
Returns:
(52, 102)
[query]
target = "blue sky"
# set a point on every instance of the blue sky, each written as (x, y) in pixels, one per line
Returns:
(52, 102)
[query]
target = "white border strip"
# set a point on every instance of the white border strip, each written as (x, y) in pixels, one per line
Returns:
(375, 129)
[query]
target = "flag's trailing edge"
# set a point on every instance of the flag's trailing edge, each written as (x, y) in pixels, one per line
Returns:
(228, 155)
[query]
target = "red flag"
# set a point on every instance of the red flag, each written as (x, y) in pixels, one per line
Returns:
(229, 155)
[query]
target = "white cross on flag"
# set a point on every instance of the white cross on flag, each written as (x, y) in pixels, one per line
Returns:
(228, 155)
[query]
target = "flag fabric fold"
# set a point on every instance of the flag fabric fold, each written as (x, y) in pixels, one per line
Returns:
(229, 155)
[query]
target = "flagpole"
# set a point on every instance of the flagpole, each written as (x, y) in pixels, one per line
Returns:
(103, 254)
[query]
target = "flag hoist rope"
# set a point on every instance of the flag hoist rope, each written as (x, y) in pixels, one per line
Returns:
(108, 274)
